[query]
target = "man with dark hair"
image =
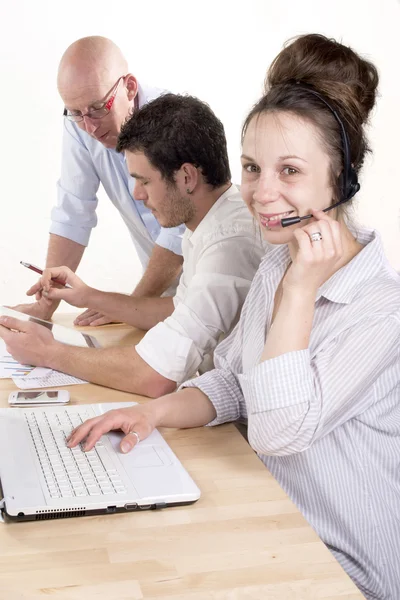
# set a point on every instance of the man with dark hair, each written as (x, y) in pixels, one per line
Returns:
(159, 134)
(175, 148)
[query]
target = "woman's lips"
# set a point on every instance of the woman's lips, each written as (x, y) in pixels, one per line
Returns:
(273, 219)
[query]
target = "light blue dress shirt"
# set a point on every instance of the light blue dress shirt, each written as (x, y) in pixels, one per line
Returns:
(85, 164)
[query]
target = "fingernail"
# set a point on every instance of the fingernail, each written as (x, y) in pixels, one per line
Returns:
(125, 447)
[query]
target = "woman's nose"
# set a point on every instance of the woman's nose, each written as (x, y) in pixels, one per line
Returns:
(267, 189)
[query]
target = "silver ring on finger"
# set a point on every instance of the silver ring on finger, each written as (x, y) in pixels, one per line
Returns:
(316, 236)
(135, 433)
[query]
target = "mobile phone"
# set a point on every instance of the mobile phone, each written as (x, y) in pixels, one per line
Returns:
(34, 397)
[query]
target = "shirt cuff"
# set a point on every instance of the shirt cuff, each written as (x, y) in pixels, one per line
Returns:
(278, 382)
(171, 239)
(171, 354)
(80, 236)
(214, 386)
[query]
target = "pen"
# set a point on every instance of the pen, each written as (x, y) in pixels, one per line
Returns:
(40, 271)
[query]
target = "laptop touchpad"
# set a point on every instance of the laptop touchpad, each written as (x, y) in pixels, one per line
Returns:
(143, 455)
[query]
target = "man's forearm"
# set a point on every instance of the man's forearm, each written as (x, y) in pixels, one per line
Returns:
(143, 313)
(63, 252)
(119, 368)
(162, 271)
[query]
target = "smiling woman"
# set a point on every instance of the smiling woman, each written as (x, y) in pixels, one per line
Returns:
(318, 115)
(277, 183)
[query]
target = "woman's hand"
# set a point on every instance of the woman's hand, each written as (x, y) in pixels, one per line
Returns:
(140, 418)
(315, 261)
(46, 289)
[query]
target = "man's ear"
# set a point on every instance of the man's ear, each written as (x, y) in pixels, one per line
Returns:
(189, 177)
(131, 86)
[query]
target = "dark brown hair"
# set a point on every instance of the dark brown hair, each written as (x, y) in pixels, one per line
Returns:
(347, 81)
(174, 129)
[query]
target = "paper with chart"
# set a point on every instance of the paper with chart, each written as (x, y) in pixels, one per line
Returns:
(10, 368)
(26, 376)
(40, 377)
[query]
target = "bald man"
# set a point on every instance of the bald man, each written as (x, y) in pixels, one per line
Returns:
(99, 93)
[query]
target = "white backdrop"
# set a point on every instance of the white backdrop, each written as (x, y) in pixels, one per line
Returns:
(217, 50)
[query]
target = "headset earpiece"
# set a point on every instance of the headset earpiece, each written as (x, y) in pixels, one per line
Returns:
(349, 185)
(353, 186)
(348, 179)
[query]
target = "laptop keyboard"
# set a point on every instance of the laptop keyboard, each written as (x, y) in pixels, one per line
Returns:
(70, 472)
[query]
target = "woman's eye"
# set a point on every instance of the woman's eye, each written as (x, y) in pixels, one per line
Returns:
(251, 168)
(290, 171)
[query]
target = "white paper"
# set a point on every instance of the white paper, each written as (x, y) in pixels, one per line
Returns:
(40, 377)
(10, 367)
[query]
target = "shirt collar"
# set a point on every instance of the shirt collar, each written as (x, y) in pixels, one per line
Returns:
(202, 227)
(345, 283)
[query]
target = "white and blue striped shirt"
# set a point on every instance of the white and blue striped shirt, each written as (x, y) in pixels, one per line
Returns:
(326, 420)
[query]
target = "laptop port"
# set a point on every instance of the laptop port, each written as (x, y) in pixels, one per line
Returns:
(144, 506)
(111, 509)
(131, 506)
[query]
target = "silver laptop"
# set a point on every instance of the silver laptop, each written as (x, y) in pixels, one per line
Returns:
(66, 335)
(41, 478)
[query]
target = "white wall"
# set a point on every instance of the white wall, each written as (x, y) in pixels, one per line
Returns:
(219, 53)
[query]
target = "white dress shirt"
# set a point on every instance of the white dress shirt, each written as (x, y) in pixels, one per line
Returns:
(85, 164)
(326, 420)
(220, 259)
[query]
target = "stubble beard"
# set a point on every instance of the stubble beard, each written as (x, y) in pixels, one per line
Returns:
(180, 210)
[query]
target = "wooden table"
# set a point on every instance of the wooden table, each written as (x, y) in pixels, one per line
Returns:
(244, 539)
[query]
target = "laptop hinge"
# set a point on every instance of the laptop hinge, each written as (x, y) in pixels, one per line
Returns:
(2, 507)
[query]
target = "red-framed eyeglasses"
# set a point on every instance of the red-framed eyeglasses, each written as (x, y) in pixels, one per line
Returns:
(99, 109)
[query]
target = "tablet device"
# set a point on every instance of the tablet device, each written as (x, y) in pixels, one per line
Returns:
(73, 337)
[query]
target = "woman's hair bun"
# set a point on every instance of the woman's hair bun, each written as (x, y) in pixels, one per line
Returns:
(332, 69)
